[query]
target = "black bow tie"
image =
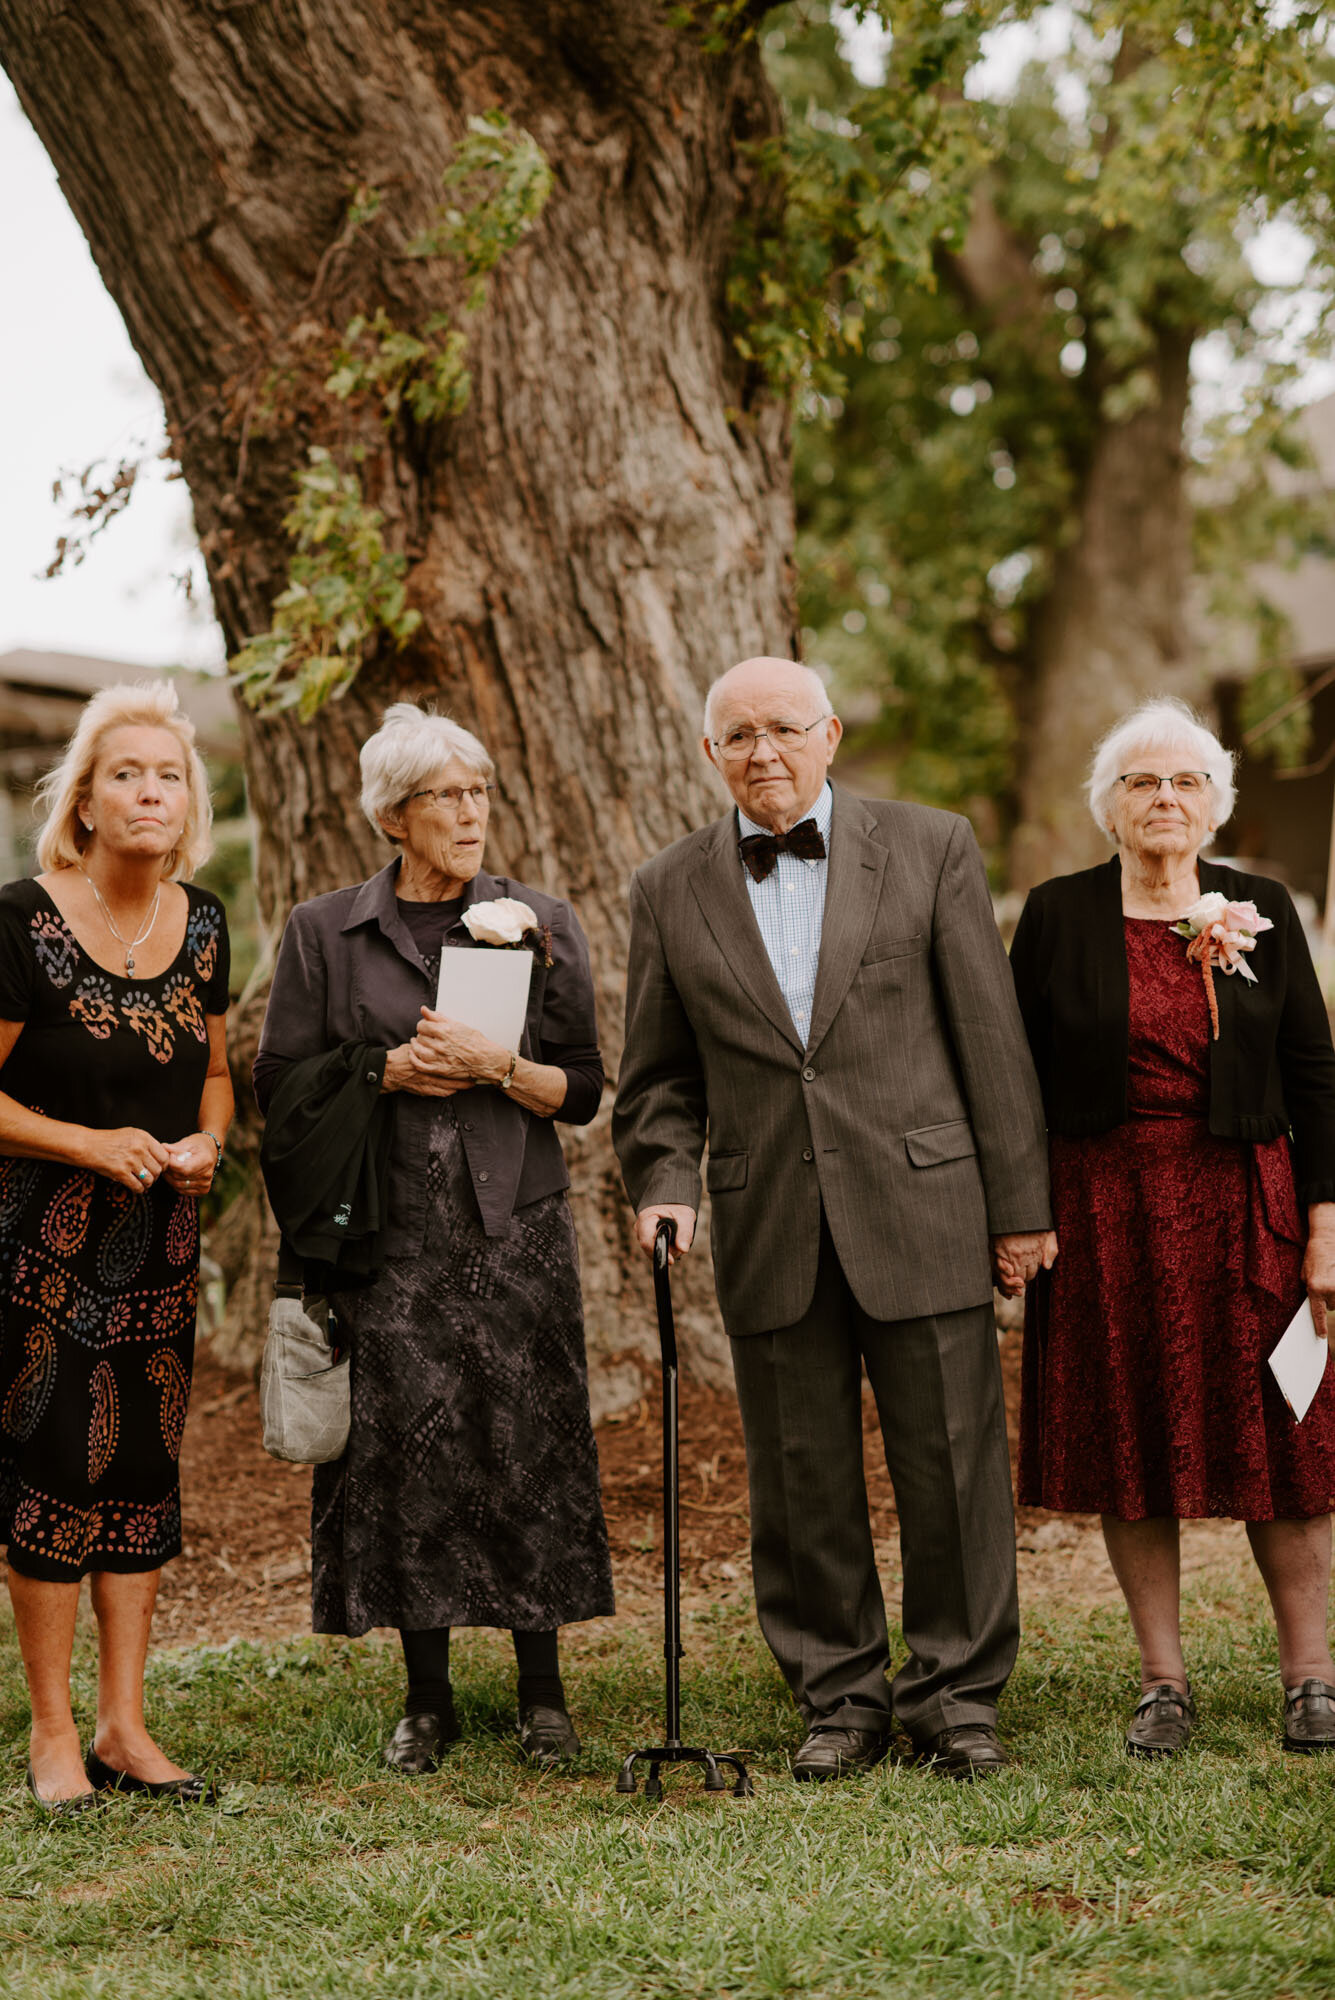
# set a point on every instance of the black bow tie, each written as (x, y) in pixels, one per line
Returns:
(760, 851)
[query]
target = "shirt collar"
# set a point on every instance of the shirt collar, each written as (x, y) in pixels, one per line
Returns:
(822, 812)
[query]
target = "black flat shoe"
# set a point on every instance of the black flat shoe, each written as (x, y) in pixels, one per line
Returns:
(1161, 1722)
(969, 1750)
(418, 1744)
(189, 1790)
(81, 1802)
(547, 1735)
(837, 1753)
(1309, 1717)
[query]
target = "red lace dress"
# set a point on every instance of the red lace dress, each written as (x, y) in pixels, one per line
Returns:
(1146, 1390)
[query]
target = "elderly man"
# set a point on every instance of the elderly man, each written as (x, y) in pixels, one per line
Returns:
(818, 989)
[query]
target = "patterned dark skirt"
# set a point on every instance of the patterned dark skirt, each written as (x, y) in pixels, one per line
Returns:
(468, 1494)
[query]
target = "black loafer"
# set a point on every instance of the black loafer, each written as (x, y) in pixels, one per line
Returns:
(547, 1735)
(188, 1791)
(1309, 1717)
(1161, 1722)
(969, 1750)
(837, 1753)
(418, 1744)
(81, 1802)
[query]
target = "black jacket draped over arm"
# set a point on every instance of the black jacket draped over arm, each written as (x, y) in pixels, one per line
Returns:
(1272, 1069)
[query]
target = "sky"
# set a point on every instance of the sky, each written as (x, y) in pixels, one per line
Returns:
(72, 391)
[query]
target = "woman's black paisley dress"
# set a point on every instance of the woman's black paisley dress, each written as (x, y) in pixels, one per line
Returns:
(97, 1284)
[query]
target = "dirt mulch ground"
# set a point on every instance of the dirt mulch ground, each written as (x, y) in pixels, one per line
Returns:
(245, 1570)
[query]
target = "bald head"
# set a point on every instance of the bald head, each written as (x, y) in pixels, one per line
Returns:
(770, 733)
(761, 677)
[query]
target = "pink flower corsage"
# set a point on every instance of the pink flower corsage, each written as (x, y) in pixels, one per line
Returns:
(1219, 933)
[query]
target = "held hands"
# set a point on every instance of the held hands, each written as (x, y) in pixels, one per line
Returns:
(191, 1164)
(1016, 1259)
(128, 1156)
(646, 1228)
(444, 1057)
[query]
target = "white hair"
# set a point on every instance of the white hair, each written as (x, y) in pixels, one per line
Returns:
(820, 694)
(1165, 723)
(407, 750)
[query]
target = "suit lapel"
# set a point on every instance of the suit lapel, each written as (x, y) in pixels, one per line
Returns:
(720, 890)
(856, 870)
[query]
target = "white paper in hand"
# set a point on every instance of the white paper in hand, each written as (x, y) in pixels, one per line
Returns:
(487, 990)
(1299, 1361)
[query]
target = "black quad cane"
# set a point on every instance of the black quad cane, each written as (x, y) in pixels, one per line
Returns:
(673, 1750)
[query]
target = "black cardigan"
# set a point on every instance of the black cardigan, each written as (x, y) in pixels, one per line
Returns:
(1272, 1069)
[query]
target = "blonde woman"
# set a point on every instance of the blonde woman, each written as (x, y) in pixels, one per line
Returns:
(114, 1105)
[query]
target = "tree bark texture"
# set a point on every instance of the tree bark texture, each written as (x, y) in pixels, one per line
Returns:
(606, 527)
(1112, 630)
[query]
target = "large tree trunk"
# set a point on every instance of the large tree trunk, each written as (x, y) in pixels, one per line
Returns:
(1112, 630)
(605, 528)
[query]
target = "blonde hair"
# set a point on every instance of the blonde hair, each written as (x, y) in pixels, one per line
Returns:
(63, 839)
(409, 747)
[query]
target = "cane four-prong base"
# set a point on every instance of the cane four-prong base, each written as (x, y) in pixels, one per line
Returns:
(678, 1753)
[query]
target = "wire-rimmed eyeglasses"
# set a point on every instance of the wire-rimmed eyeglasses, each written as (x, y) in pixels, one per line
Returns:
(1141, 783)
(449, 798)
(740, 741)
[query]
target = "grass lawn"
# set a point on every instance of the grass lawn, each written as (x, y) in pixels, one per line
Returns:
(1079, 1874)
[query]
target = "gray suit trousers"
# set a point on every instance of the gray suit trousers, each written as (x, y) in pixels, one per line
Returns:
(937, 1383)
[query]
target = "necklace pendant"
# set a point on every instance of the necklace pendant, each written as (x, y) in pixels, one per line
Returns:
(129, 961)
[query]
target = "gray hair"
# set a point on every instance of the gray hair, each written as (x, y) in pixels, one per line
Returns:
(820, 694)
(407, 750)
(1165, 723)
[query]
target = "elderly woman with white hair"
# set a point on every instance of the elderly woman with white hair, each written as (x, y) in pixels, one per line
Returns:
(114, 1104)
(1184, 1053)
(468, 1493)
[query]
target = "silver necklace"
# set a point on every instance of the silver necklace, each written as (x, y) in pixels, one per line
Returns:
(130, 944)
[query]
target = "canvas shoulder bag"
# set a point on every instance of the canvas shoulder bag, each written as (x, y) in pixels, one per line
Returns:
(304, 1381)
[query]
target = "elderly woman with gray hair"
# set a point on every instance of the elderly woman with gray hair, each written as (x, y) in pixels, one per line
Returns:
(1184, 1053)
(468, 1493)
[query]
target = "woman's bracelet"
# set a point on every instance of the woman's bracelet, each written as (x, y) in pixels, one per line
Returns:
(509, 1076)
(218, 1144)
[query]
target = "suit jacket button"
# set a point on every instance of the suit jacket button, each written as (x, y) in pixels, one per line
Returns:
(807, 1153)
(808, 1076)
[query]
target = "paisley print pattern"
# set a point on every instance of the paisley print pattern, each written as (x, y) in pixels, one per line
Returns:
(54, 947)
(65, 1223)
(183, 1232)
(93, 1005)
(201, 940)
(124, 1245)
(165, 1369)
(30, 1391)
(142, 1013)
(98, 1283)
(104, 1429)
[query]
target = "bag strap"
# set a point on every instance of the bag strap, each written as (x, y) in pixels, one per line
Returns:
(289, 1278)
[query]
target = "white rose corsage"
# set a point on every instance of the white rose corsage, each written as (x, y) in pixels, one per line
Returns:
(509, 925)
(1219, 932)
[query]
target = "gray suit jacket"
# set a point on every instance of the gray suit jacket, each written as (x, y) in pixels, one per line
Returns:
(912, 1115)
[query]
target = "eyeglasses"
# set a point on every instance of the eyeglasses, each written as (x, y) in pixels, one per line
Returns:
(449, 798)
(737, 744)
(1141, 784)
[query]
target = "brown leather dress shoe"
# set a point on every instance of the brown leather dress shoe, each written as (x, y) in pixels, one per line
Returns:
(418, 1744)
(1309, 1717)
(547, 1735)
(969, 1750)
(1161, 1722)
(837, 1753)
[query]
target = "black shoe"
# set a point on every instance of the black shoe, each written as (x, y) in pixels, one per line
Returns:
(1161, 1722)
(1309, 1717)
(969, 1750)
(419, 1742)
(81, 1802)
(547, 1735)
(831, 1752)
(189, 1790)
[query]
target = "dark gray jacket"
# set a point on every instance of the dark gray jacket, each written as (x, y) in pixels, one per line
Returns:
(912, 1116)
(348, 971)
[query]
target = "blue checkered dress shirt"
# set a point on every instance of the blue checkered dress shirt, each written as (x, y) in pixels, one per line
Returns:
(790, 910)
